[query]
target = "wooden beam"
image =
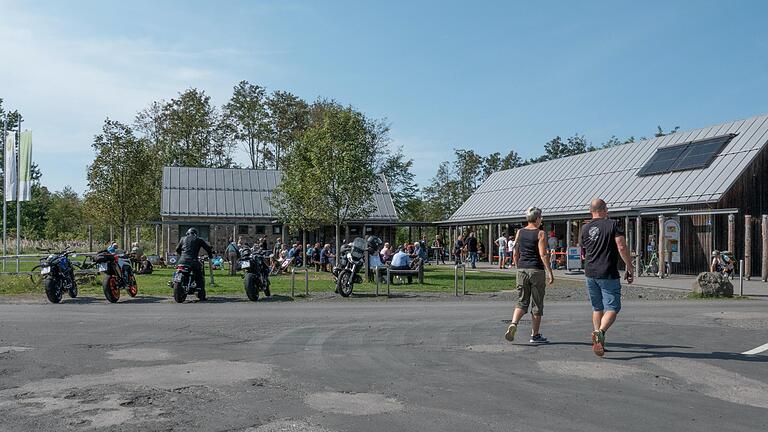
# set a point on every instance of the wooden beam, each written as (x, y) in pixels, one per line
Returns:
(764, 232)
(747, 246)
(638, 241)
(732, 233)
(662, 248)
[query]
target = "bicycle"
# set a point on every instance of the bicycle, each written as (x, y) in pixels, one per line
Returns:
(652, 267)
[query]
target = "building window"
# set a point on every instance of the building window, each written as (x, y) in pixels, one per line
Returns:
(277, 229)
(260, 229)
(242, 229)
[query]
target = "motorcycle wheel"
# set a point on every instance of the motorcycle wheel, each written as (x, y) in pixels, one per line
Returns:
(53, 289)
(111, 290)
(344, 285)
(179, 292)
(133, 287)
(73, 289)
(251, 286)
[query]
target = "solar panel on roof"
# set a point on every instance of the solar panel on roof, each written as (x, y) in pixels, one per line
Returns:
(685, 156)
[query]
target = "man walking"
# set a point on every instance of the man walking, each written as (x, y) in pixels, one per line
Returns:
(602, 243)
(472, 249)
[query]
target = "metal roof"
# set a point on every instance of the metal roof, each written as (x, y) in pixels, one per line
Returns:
(237, 193)
(566, 186)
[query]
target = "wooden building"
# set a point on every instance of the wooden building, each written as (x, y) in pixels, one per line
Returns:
(708, 185)
(224, 203)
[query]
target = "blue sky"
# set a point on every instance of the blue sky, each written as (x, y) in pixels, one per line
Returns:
(491, 76)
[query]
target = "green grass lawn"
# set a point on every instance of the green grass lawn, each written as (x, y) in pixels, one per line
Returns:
(436, 279)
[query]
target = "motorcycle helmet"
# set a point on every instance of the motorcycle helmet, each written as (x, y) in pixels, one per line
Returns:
(374, 243)
(192, 231)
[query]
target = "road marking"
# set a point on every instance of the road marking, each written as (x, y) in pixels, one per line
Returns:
(757, 350)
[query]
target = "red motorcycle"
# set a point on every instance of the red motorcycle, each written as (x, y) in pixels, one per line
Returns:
(118, 275)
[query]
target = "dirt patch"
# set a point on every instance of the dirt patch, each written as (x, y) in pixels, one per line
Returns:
(590, 370)
(140, 354)
(495, 348)
(288, 426)
(353, 403)
(127, 395)
(717, 382)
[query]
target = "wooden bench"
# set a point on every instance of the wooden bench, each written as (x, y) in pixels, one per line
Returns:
(418, 272)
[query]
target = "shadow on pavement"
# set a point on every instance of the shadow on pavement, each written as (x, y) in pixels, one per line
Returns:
(646, 351)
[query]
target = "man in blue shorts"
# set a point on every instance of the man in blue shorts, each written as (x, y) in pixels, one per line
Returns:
(603, 242)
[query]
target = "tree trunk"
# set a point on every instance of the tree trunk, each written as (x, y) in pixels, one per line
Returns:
(338, 242)
(304, 246)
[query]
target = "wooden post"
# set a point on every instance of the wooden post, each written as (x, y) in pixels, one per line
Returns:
(568, 234)
(410, 234)
(747, 246)
(90, 238)
(764, 233)
(638, 242)
(157, 239)
(662, 251)
(167, 241)
(162, 240)
(490, 247)
(627, 235)
(234, 232)
(731, 234)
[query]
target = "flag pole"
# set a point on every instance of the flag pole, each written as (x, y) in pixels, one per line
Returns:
(5, 198)
(18, 195)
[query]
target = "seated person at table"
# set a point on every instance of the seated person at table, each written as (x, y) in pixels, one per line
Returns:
(401, 261)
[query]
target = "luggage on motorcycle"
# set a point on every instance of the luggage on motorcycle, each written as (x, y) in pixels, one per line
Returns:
(359, 245)
(103, 257)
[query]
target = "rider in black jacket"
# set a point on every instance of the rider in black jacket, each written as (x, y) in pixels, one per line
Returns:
(188, 251)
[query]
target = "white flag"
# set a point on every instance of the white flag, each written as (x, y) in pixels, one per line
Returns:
(9, 171)
(25, 166)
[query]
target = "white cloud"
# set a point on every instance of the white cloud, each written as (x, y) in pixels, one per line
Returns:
(66, 85)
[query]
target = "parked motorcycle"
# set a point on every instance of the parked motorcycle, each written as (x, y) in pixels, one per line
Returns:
(118, 275)
(58, 275)
(351, 260)
(184, 282)
(256, 266)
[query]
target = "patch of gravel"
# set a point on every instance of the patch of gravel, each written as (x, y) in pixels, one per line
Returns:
(590, 370)
(140, 354)
(288, 426)
(742, 320)
(353, 403)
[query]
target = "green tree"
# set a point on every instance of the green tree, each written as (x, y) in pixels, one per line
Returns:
(117, 178)
(289, 117)
(188, 132)
(329, 172)
(247, 114)
(65, 216)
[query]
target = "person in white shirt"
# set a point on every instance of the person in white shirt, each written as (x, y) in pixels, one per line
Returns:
(511, 249)
(401, 261)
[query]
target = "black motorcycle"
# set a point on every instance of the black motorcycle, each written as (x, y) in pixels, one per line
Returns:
(58, 276)
(184, 282)
(351, 260)
(256, 279)
(118, 275)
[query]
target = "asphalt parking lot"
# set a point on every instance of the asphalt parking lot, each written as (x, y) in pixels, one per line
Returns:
(232, 365)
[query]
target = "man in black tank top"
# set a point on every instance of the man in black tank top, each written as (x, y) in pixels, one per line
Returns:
(531, 259)
(603, 244)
